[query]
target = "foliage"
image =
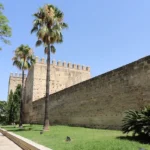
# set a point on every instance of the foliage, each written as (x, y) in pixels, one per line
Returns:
(16, 103)
(81, 138)
(10, 108)
(3, 112)
(13, 105)
(48, 25)
(5, 30)
(24, 57)
(137, 122)
(23, 60)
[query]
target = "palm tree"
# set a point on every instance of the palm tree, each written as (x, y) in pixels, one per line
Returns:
(23, 60)
(48, 25)
(137, 122)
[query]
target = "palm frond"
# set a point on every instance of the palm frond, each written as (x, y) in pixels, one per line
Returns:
(24, 57)
(53, 49)
(137, 122)
(46, 50)
(59, 38)
(64, 25)
(18, 64)
(48, 25)
(38, 43)
(34, 29)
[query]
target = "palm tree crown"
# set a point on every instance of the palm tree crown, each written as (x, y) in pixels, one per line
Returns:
(23, 58)
(48, 24)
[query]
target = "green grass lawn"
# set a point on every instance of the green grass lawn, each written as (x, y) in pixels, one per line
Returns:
(81, 138)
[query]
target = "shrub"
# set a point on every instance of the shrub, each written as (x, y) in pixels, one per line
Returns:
(137, 122)
(3, 112)
(13, 105)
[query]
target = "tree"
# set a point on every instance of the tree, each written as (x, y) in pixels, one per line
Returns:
(10, 108)
(48, 25)
(13, 105)
(3, 112)
(16, 103)
(23, 60)
(5, 30)
(137, 122)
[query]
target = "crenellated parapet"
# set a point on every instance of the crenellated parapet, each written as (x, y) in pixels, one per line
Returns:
(17, 75)
(63, 64)
(41, 60)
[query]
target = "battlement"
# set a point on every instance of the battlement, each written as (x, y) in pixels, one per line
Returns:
(17, 75)
(63, 64)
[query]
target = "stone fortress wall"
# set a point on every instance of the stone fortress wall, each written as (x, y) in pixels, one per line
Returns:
(14, 80)
(62, 75)
(99, 102)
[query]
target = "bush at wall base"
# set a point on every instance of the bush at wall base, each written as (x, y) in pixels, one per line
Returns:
(137, 122)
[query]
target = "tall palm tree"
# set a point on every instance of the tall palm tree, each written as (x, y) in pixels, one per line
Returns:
(48, 25)
(23, 60)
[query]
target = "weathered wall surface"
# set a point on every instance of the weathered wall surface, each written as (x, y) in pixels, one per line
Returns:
(14, 80)
(28, 93)
(29, 85)
(101, 101)
(63, 75)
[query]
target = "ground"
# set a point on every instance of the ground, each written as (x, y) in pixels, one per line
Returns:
(81, 138)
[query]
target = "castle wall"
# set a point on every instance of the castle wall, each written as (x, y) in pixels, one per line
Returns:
(101, 101)
(14, 80)
(62, 75)
(28, 93)
(29, 85)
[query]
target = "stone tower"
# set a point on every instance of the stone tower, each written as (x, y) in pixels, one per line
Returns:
(62, 75)
(14, 80)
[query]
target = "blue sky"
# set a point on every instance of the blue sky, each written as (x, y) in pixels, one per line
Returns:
(102, 34)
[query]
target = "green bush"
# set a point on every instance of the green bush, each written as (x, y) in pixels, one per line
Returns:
(10, 109)
(137, 122)
(3, 112)
(13, 105)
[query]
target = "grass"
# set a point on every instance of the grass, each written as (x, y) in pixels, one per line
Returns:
(81, 138)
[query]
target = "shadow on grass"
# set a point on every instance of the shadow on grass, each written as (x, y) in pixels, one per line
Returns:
(140, 139)
(5, 127)
(16, 128)
(27, 129)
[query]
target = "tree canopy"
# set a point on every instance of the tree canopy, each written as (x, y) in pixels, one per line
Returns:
(48, 25)
(13, 105)
(24, 57)
(5, 29)
(3, 111)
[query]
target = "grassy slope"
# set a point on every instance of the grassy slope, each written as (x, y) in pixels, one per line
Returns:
(82, 138)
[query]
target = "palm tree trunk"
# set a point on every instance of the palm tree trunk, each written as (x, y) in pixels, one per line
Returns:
(21, 102)
(46, 118)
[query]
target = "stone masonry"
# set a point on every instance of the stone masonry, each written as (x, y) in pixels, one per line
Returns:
(14, 80)
(99, 102)
(62, 75)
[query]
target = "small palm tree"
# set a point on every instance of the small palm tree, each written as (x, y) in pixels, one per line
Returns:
(132, 122)
(48, 25)
(23, 60)
(137, 122)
